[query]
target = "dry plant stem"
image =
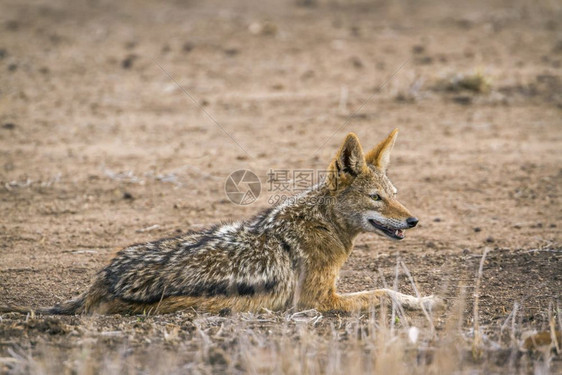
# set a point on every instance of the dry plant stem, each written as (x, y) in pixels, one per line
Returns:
(477, 342)
(159, 302)
(552, 324)
(395, 288)
(512, 315)
(559, 313)
(398, 306)
(425, 313)
(450, 350)
(455, 320)
(515, 310)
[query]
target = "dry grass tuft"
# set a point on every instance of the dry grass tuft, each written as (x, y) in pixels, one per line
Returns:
(476, 82)
(281, 343)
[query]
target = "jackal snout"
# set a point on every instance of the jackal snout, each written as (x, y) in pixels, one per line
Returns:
(412, 221)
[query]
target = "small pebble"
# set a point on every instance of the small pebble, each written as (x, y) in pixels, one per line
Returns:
(357, 63)
(462, 99)
(231, 51)
(418, 49)
(187, 47)
(128, 61)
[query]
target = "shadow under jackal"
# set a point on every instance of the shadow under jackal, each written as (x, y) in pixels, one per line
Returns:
(287, 256)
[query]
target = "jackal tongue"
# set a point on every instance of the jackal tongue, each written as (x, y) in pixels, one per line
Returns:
(399, 233)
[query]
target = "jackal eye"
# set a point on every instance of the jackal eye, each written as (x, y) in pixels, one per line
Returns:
(375, 197)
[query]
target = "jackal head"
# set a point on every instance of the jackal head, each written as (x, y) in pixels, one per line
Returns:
(365, 199)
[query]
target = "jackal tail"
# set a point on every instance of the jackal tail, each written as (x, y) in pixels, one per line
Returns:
(70, 307)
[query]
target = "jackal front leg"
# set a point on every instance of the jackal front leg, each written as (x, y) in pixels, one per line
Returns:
(365, 300)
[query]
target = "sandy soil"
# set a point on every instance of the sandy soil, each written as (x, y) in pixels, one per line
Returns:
(100, 148)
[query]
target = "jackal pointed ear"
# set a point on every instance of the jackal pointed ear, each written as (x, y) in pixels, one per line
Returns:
(348, 163)
(380, 155)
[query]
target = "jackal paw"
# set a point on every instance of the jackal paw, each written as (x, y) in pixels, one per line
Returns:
(432, 303)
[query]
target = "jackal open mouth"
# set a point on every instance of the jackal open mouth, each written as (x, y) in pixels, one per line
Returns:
(397, 234)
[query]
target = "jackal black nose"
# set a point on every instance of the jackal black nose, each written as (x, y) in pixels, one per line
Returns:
(412, 222)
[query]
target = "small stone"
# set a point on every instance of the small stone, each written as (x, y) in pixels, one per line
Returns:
(9, 125)
(418, 49)
(307, 3)
(424, 60)
(490, 240)
(477, 229)
(128, 196)
(437, 220)
(462, 99)
(357, 63)
(128, 61)
(187, 47)
(231, 51)
(265, 28)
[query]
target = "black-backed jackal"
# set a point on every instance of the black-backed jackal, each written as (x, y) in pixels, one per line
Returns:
(287, 256)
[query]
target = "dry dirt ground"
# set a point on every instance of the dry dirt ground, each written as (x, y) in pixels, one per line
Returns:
(100, 147)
